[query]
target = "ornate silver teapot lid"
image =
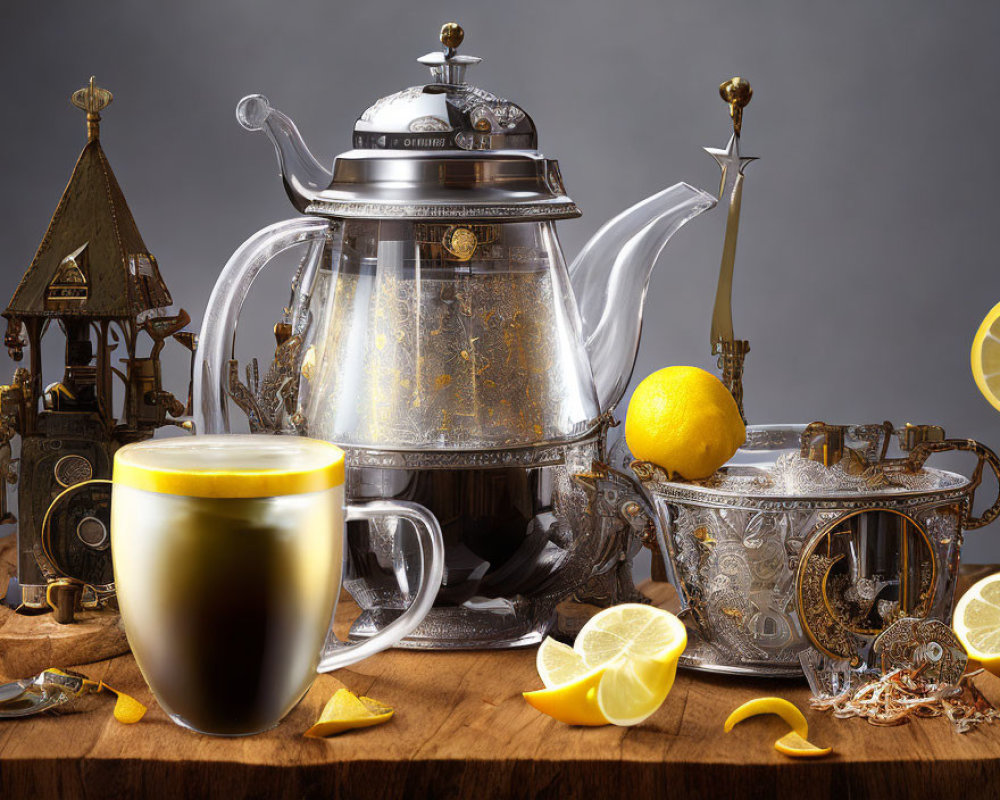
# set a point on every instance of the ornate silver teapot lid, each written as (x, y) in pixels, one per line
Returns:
(446, 114)
(443, 150)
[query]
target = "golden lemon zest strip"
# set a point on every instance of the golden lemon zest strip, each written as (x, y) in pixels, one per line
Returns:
(793, 745)
(770, 705)
(346, 711)
(128, 710)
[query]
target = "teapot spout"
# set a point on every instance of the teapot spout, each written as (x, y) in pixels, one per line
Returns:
(610, 277)
(304, 177)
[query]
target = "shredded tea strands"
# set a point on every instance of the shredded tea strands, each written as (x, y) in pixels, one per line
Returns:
(899, 695)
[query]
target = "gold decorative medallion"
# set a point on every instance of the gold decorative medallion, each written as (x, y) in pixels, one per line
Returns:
(460, 241)
(72, 469)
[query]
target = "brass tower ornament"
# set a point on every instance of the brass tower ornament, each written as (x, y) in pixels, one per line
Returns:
(94, 285)
(730, 350)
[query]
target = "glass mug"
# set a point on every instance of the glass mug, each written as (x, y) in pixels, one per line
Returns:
(228, 553)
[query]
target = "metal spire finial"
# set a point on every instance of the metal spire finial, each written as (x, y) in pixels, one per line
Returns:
(92, 99)
(737, 92)
(730, 350)
(449, 67)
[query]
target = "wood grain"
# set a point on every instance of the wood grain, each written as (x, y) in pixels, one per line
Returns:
(461, 729)
(29, 644)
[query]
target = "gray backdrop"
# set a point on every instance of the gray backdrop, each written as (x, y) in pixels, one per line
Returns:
(866, 257)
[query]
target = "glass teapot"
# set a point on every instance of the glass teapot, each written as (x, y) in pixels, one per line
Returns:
(435, 309)
(435, 333)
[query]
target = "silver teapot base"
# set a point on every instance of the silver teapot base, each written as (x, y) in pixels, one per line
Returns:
(703, 657)
(762, 671)
(460, 628)
(526, 533)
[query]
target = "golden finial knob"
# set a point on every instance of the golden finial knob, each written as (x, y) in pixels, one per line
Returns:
(737, 92)
(452, 35)
(92, 99)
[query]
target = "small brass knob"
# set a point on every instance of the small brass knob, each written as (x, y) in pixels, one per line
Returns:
(452, 35)
(737, 92)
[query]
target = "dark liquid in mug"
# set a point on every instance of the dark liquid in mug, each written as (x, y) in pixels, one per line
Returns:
(227, 603)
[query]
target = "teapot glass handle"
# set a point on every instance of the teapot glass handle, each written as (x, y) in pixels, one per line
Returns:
(215, 342)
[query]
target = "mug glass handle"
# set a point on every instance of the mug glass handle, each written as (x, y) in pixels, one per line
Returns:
(431, 545)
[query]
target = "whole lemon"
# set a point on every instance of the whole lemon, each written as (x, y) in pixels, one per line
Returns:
(685, 420)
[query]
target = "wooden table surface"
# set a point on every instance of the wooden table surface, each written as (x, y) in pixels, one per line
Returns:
(462, 729)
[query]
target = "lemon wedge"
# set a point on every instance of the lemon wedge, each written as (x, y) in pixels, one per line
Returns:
(791, 744)
(619, 671)
(986, 357)
(977, 622)
(346, 711)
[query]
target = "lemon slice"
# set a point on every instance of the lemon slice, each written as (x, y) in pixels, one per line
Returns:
(631, 629)
(791, 744)
(986, 357)
(977, 622)
(770, 705)
(639, 646)
(633, 688)
(574, 703)
(346, 711)
(558, 663)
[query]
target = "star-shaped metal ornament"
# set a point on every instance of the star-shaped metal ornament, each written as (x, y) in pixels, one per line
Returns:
(730, 161)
